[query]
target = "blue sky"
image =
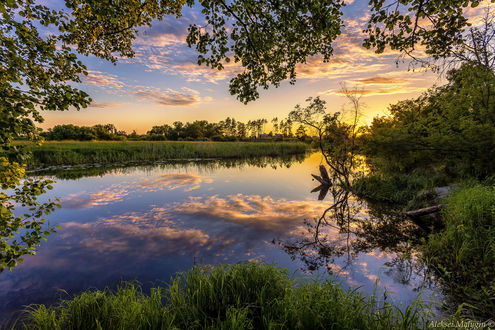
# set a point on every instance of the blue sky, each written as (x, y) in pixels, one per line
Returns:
(163, 83)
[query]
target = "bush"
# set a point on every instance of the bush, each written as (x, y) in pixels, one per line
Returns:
(241, 296)
(463, 255)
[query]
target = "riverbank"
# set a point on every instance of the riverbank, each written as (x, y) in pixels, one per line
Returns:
(459, 245)
(241, 296)
(79, 153)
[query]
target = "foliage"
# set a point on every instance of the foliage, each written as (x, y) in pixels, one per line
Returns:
(269, 38)
(21, 234)
(436, 25)
(35, 67)
(74, 153)
(241, 296)
(449, 129)
(336, 138)
(198, 130)
(463, 255)
(83, 133)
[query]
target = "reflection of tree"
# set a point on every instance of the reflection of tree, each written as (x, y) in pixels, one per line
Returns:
(350, 227)
(211, 165)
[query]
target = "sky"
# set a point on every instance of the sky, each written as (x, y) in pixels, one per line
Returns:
(163, 82)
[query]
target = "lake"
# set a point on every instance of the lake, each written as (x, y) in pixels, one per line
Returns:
(145, 223)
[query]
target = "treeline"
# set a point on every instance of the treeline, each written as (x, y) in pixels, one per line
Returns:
(200, 130)
(448, 130)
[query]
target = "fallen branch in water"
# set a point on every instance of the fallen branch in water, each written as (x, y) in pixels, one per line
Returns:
(425, 211)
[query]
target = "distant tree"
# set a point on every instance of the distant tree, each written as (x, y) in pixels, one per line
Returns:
(274, 122)
(241, 130)
(301, 132)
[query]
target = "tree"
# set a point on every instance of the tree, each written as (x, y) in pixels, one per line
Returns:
(269, 38)
(275, 125)
(241, 130)
(403, 25)
(336, 139)
(301, 132)
(449, 129)
(478, 45)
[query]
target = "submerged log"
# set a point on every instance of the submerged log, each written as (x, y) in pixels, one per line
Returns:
(425, 211)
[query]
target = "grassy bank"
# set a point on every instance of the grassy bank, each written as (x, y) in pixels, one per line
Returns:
(399, 189)
(242, 296)
(77, 153)
(463, 255)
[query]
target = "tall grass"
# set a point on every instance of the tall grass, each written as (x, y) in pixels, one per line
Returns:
(400, 189)
(76, 153)
(241, 296)
(463, 255)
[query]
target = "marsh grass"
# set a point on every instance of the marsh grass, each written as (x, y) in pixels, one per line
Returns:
(241, 296)
(77, 153)
(463, 255)
(399, 189)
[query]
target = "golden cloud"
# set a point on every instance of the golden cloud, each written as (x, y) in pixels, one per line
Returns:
(378, 80)
(264, 213)
(170, 97)
(375, 92)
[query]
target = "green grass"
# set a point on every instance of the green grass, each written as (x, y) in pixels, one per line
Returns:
(399, 189)
(241, 296)
(463, 255)
(77, 153)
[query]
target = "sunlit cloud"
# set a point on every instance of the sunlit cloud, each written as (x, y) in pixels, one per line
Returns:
(121, 235)
(170, 97)
(267, 213)
(336, 68)
(375, 92)
(102, 80)
(378, 80)
(174, 181)
(104, 105)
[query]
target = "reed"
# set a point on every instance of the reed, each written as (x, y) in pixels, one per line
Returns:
(240, 296)
(77, 153)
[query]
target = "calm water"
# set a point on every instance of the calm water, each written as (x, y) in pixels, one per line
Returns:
(146, 223)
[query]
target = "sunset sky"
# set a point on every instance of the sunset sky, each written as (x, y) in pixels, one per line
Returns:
(163, 83)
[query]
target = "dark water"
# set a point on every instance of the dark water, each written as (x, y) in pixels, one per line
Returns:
(146, 223)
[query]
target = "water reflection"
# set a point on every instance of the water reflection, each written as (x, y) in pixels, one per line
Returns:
(203, 165)
(149, 222)
(349, 229)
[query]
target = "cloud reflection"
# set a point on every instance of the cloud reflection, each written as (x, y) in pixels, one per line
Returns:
(266, 213)
(118, 192)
